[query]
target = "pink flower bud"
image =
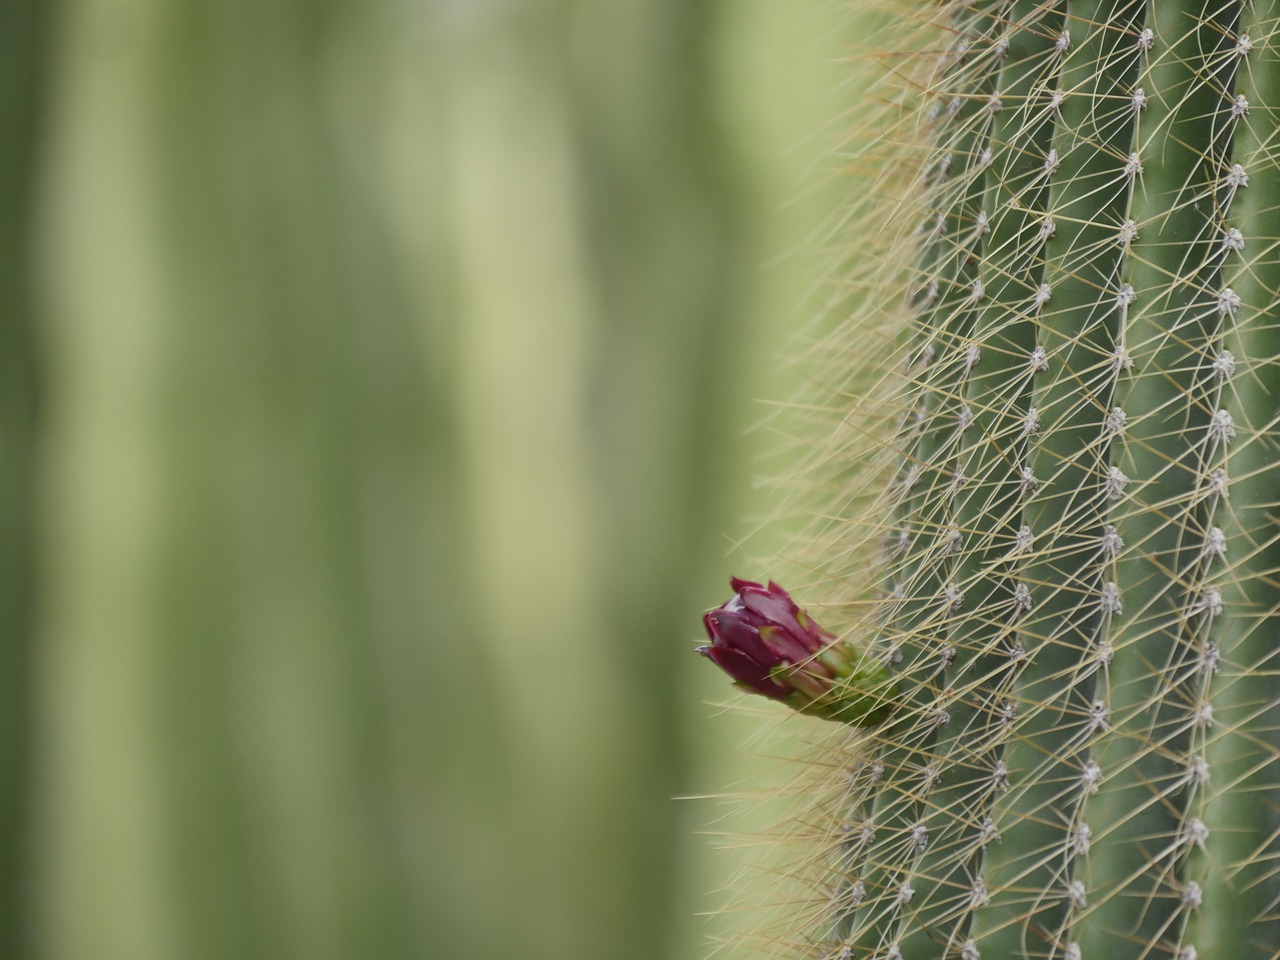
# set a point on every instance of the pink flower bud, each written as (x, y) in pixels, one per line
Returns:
(770, 647)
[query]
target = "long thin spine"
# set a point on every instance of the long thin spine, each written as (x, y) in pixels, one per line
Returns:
(1166, 444)
(1029, 872)
(1239, 846)
(947, 306)
(988, 507)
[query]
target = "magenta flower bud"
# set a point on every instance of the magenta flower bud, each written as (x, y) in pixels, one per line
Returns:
(770, 647)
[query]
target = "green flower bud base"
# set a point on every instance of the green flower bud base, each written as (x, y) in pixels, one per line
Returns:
(864, 698)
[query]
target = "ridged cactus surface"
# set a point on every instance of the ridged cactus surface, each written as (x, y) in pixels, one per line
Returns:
(1079, 569)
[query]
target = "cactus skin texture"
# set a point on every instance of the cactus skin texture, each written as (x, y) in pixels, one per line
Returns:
(1081, 513)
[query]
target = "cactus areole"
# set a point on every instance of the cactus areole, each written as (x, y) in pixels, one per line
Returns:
(1079, 586)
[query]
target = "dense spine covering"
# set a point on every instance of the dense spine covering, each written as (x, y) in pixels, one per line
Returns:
(1237, 868)
(1081, 561)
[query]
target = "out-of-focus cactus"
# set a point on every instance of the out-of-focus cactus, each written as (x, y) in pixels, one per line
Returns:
(1080, 567)
(24, 87)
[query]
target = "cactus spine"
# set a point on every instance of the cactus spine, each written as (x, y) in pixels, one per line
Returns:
(1081, 566)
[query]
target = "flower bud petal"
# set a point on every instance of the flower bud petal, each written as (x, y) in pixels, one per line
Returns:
(784, 644)
(745, 671)
(779, 610)
(810, 626)
(768, 605)
(778, 591)
(727, 628)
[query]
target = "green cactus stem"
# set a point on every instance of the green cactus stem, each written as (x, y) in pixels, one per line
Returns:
(1082, 584)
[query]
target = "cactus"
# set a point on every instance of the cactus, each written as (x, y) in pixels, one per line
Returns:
(1078, 524)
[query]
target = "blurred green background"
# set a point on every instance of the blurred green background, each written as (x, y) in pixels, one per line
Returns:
(378, 383)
